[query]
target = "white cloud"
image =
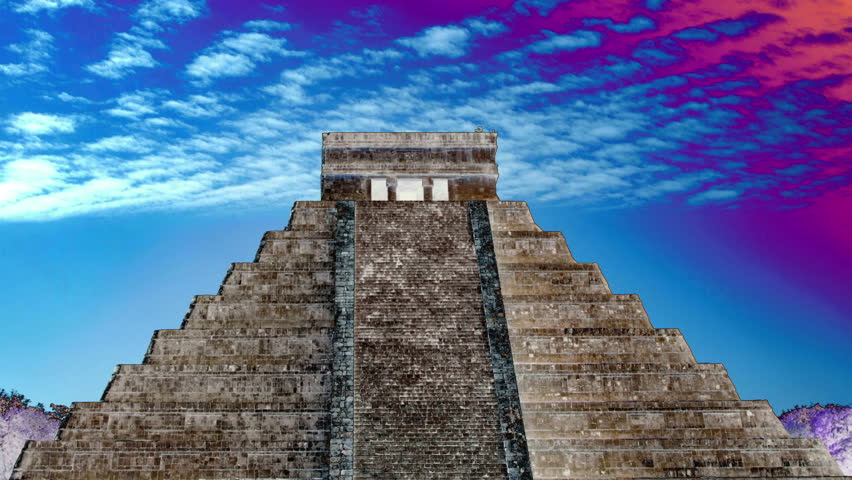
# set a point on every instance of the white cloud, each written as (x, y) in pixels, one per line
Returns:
(714, 194)
(33, 54)
(28, 176)
(572, 41)
(488, 28)
(215, 65)
(122, 60)
(267, 25)
(289, 93)
(121, 143)
(129, 50)
(67, 97)
(155, 12)
(35, 6)
(237, 56)
(680, 183)
(198, 106)
(258, 46)
(449, 41)
(543, 7)
(39, 124)
(134, 105)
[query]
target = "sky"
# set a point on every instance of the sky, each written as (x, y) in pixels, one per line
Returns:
(698, 150)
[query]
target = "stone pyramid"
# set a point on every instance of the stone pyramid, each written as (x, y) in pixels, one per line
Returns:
(413, 326)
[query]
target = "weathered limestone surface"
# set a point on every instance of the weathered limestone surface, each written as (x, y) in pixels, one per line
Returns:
(419, 340)
(607, 396)
(466, 160)
(240, 391)
(424, 404)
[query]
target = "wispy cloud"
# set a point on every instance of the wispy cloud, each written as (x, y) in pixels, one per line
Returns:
(135, 104)
(448, 41)
(571, 41)
(126, 55)
(237, 55)
(36, 6)
(611, 127)
(130, 50)
(30, 123)
(33, 54)
(637, 24)
(152, 14)
(267, 25)
(543, 7)
(713, 195)
(487, 28)
(197, 106)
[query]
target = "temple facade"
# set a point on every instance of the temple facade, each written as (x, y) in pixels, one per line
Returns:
(411, 325)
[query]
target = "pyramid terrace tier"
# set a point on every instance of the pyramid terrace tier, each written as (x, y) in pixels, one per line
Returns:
(372, 340)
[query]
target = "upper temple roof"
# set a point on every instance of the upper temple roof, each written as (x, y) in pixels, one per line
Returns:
(409, 140)
(352, 162)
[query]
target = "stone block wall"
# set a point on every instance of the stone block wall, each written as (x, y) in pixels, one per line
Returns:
(607, 396)
(241, 390)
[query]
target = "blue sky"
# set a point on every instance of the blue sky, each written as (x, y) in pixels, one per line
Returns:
(699, 152)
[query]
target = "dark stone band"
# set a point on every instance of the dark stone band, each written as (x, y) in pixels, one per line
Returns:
(342, 428)
(505, 383)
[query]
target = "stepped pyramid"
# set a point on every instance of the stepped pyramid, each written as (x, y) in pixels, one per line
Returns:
(413, 326)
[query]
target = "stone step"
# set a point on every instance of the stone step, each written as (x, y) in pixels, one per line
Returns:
(614, 313)
(554, 474)
(543, 346)
(283, 267)
(574, 298)
(293, 346)
(152, 430)
(295, 258)
(298, 247)
(271, 277)
(246, 407)
(277, 290)
(505, 216)
(170, 460)
(527, 246)
(679, 457)
(216, 313)
(247, 333)
(293, 299)
(623, 382)
(652, 419)
(286, 473)
(324, 237)
(195, 421)
(219, 383)
(206, 346)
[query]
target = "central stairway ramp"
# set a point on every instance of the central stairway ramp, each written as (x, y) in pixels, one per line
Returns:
(425, 405)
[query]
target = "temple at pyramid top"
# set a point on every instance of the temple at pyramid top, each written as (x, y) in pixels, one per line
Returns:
(430, 166)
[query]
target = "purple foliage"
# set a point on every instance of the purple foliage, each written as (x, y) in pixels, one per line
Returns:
(20, 422)
(832, 424)
(17, 425)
